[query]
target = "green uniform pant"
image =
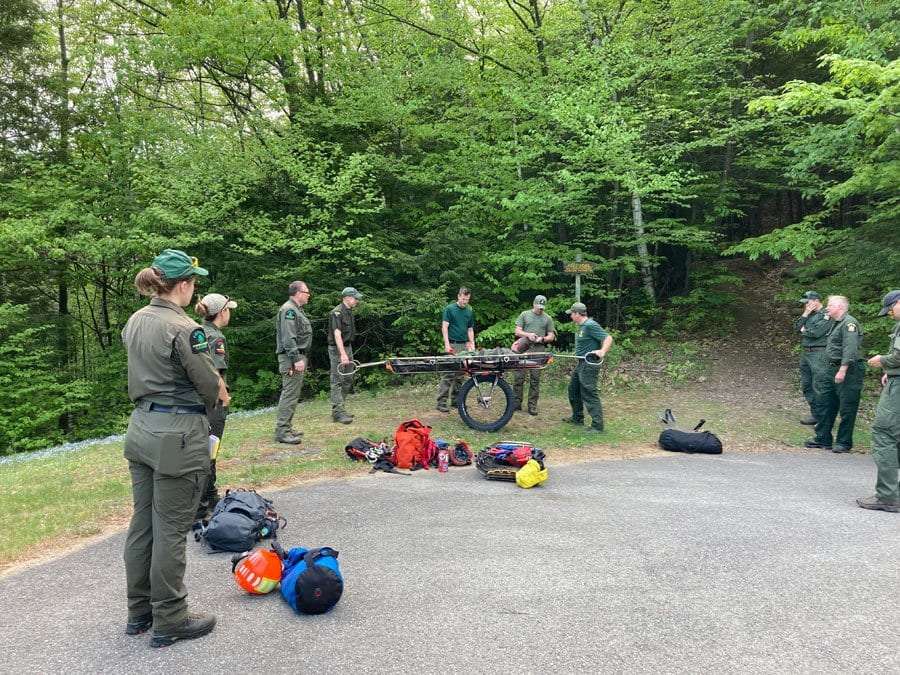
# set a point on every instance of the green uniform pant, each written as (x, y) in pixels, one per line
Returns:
(450, 382)
(886, 441)
(812, 364)
(210, 496)
(534, 385)
(583, 394)
(291, 385)
(168, 457)
(840, 399)
(340, 385)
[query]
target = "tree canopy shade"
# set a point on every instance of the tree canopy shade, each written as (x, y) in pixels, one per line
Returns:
(407, 148)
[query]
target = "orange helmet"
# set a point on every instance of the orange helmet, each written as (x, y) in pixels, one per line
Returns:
(257, 572)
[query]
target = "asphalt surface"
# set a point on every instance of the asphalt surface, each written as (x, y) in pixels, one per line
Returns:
(736, 563)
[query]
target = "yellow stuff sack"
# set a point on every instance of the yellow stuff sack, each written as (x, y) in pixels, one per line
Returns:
(531, 474)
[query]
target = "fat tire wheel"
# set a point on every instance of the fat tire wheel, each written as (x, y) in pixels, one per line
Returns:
(500, 422)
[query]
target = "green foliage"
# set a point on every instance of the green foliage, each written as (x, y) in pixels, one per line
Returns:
(32, 396)
(409, 151)
(708, 309)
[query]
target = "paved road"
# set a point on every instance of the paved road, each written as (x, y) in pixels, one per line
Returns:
(737, 563)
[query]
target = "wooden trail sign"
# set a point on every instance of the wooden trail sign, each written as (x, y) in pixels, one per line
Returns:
(578, 267)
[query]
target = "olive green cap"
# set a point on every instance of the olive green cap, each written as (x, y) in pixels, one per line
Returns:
(174, 264)
(577, 307)
(810, 295)
(351, 292)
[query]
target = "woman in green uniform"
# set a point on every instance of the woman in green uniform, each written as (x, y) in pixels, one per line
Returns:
(172, 381)
(215, 310)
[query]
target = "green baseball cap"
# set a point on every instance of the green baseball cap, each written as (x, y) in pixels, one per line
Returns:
(810, 295)
(577, 307)
(174, 264)
(351, 293)
(888, 301)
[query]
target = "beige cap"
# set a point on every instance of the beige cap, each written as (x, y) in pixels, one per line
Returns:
(216, 302)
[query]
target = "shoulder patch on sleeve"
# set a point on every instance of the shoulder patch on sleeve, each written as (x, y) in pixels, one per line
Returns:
(290, 314)
(219, 346)
(851, 327)
(198, 341)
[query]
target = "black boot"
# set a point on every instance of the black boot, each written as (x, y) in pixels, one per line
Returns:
(139, 624)
(196, 625)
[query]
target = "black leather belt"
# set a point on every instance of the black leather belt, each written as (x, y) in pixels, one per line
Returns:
(178, 409)
(891, 377)
(835, 363)
(813, 349)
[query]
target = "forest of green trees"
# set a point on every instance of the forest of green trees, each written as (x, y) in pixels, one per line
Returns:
(405, 147)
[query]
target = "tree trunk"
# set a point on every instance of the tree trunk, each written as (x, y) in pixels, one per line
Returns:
(646, 273)
(62, 153)
(104, 307)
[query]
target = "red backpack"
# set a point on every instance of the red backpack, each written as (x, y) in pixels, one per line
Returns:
(413, 445)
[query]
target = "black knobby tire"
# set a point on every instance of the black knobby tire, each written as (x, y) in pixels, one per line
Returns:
(468, 396)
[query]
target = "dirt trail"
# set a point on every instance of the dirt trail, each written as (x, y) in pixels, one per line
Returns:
(754, 368)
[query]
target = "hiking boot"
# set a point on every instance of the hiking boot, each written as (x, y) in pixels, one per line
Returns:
(572, 420)
(532, 412)
(809, 421)
(840, 448)
(139, 624)
(342, 418)
(876, 504)
(442, 409)
(290, 439)
(196, 625)
(813, 443)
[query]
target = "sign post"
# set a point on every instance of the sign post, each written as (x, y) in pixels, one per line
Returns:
(578, 268)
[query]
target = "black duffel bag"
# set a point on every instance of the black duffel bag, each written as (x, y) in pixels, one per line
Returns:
(703, 442)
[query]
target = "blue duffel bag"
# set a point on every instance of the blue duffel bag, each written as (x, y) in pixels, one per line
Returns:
(312, 582)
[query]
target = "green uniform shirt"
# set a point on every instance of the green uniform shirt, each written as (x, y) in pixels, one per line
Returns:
(460, 320)
(168, 357)
(539, 324)
(216, 346)
(293, 332)
(813, 328)
(891, 361)
(844, 341)
(341, 318)
(590, 337)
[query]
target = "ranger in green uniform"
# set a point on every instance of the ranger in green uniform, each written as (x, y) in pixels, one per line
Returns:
(886, 427)
(590, 339)
(840, 384)
(341, 331)
(293, 337)
(173, 383)
(215, 309)
(536, 326)
(813, 327)
(458, 331)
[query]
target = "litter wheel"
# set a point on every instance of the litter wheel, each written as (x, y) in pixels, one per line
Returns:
(486, 402)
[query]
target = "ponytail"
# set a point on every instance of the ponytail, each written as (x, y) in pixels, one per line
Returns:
(148, 282)
(203, 312)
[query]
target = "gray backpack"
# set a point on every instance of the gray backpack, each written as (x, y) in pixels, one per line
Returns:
(240, 519)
